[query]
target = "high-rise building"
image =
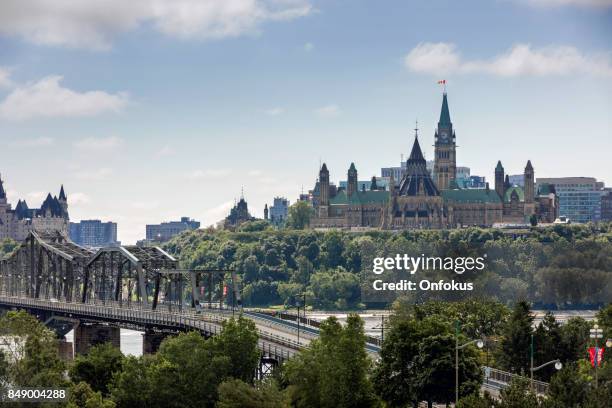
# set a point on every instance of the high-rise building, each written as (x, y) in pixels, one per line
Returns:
(278, 211)
(94, 233)
(166, 230)
(606, 205)
(579, 197)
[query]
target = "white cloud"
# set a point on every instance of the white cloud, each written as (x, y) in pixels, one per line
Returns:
(255, 173)
(94, 175)
(47, 98)
(91, 24)
(34, 142)
(274, 111)
(78, 198)
(328, 111)
(308, 47)
(520, 60)
(99, 143)
(207, 174)
(35, 197)
(5, 78)
(217, 213)
(577, 3)
(165, 151)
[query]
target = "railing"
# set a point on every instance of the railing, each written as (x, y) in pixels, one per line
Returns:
(499, 379)
(279, 346)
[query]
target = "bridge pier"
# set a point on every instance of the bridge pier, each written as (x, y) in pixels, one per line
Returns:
(87, 335)
(151, 340)
(65, 350)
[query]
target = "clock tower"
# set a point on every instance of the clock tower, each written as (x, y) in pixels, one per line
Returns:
(445, 164)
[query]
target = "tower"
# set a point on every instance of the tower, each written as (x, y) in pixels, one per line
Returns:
(351, 186)
(63, 200)
(324, 185)
(529, 183)
(2, 192)
(266, 212)
(499, 179)
(445, 162)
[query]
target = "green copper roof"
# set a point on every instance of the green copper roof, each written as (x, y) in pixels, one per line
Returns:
(519, 191)
(471, 195)
(444, 113)
(361, 197)
(499, 166)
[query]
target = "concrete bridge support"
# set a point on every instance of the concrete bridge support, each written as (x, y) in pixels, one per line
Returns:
(87, 335)
(151, 340)
(65, 350)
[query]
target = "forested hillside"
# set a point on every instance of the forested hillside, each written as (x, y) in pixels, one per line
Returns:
(565, 266)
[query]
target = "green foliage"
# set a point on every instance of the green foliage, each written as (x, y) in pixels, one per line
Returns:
(238, 342)
(518, 395)
(568, 389)
(476, 401)
(97, 367)
(33, 355)
(333, 371)
(417, 360)
(238, 394)
(513, 354)
(299, 215)
(560, 266)
(82, 396)
(7, 246)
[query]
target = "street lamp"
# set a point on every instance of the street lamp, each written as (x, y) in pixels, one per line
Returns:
(479, 343)
(596, 333)
(557, 363)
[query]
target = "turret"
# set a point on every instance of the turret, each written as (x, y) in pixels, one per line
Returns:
(266, 212)
(351, 186)
(529, 183)
(499, 179)
(2, 192)
(373, 185)
(324, 185)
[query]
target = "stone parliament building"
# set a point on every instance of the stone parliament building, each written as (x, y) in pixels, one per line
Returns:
(424, 200)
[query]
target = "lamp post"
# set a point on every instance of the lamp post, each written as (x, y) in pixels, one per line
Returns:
(596, 333)
(557, 363)
(479, 344)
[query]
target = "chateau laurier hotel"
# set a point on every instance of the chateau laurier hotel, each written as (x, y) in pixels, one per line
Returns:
(424, 200)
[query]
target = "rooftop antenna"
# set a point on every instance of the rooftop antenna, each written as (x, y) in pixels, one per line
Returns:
(416, 129)
(242, 193)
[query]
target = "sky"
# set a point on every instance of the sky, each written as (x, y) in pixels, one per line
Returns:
(150, 110)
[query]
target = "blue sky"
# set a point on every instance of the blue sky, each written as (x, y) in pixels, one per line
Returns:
(156, 109)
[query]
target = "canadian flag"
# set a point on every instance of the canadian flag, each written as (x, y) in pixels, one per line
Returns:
(442, 82)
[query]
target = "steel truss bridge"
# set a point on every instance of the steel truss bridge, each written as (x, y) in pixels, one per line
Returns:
(133, 287)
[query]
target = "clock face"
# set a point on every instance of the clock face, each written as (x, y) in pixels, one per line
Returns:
(444, 136)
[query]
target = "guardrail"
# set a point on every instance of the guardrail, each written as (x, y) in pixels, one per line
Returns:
(495, 376)
(280, 346)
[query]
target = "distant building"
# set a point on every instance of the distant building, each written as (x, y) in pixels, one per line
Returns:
(166, 230)
(580, 198)
(94, 233)
(52, 216)
(606, 205)
(238, 214)
(278, 211)
(516, 180)
(376, 183)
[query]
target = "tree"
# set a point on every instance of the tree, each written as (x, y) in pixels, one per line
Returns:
(518, 395)
(34, 352)
(333, 371)
(238, 394)
(299, 215)
(238, 342)
(476, 401)
(131, 387)
(568, 389)
(513, 353)
(82, 396)
(97, 367)
(533, 220)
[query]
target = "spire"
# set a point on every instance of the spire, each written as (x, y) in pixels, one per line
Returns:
(62, 194)
(324, 168)
(416, 155)
(499, 166)
(445, 120)
(352, 167)
(529, 166)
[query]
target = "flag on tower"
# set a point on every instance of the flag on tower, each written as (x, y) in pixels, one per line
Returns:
(442, 82)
